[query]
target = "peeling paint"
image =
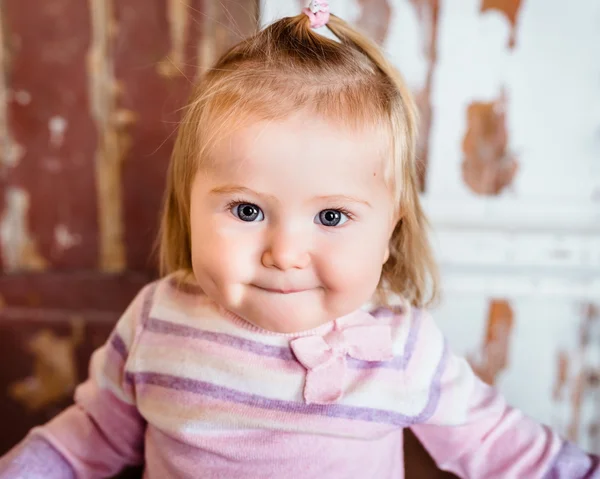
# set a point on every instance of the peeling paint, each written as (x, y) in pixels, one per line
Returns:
(19, 248)
(488, 166)
(586, 392)
(5, 138)
(221, 27)
(54, 375)
(428, 12)
(207, 43)
(178, 17)
(57, 126)
(562, 376)
(494, 354)
(123, 118)
(577, 390)
(510, 9)
(575, 400)
(64, 239)
(113, 140)
(22, 97)
(375, 18)
(11, 152)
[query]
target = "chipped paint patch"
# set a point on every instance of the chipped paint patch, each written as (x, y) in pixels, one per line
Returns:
(207, 43)
(18, 247)
(113, 141)
(64, 239)
(11, 152)
(428, 13)
(22, 97)
(585, 409)
(562, 376)
(57, 126)
(489, 166)
(179, 18)
(54, 376)
(375, 18)
(510, 9)
(577, 387)
(494, 354)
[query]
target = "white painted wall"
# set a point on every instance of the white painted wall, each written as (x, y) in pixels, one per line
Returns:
(538, 243)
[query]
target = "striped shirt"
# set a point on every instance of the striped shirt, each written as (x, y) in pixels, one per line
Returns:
(189, 390)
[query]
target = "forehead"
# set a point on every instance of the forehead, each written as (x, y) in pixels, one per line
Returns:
(303, 152)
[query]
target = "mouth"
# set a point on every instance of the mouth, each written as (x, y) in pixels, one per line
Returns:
(282, 290)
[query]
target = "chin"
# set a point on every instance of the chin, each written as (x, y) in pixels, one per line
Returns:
(291, 322)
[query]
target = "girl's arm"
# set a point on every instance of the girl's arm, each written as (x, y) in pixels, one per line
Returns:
(103, 431)
(474, 433)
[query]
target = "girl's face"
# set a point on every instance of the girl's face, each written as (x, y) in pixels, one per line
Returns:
(291, 228)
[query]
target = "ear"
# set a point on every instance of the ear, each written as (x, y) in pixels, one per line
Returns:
(386, 254)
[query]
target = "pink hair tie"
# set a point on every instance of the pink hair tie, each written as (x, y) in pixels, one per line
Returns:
(318, 12)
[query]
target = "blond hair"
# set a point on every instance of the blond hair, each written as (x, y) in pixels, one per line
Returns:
(280, 70)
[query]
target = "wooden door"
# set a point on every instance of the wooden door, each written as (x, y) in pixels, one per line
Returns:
(90, 93)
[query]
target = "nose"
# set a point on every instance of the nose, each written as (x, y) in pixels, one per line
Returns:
(286, 250)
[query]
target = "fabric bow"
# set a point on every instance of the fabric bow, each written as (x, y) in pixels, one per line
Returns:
(324, 357)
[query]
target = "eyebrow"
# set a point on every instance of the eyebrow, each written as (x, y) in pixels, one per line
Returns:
(234, 189)
(344, 199)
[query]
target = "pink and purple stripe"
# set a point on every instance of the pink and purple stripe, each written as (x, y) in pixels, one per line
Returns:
(285, 353)
(330, 410)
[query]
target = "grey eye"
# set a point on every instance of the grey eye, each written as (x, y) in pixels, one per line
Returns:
(248, 212)
(331, 218)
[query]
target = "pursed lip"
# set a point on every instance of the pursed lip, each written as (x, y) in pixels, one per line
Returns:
(282, 290)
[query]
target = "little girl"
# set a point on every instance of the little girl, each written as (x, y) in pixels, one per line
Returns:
(291, 204)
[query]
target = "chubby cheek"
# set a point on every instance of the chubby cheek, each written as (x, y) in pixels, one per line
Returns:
(352, 269)
(220, 259)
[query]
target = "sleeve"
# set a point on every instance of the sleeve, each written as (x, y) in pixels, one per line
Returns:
(103, 431)
(470, 430)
